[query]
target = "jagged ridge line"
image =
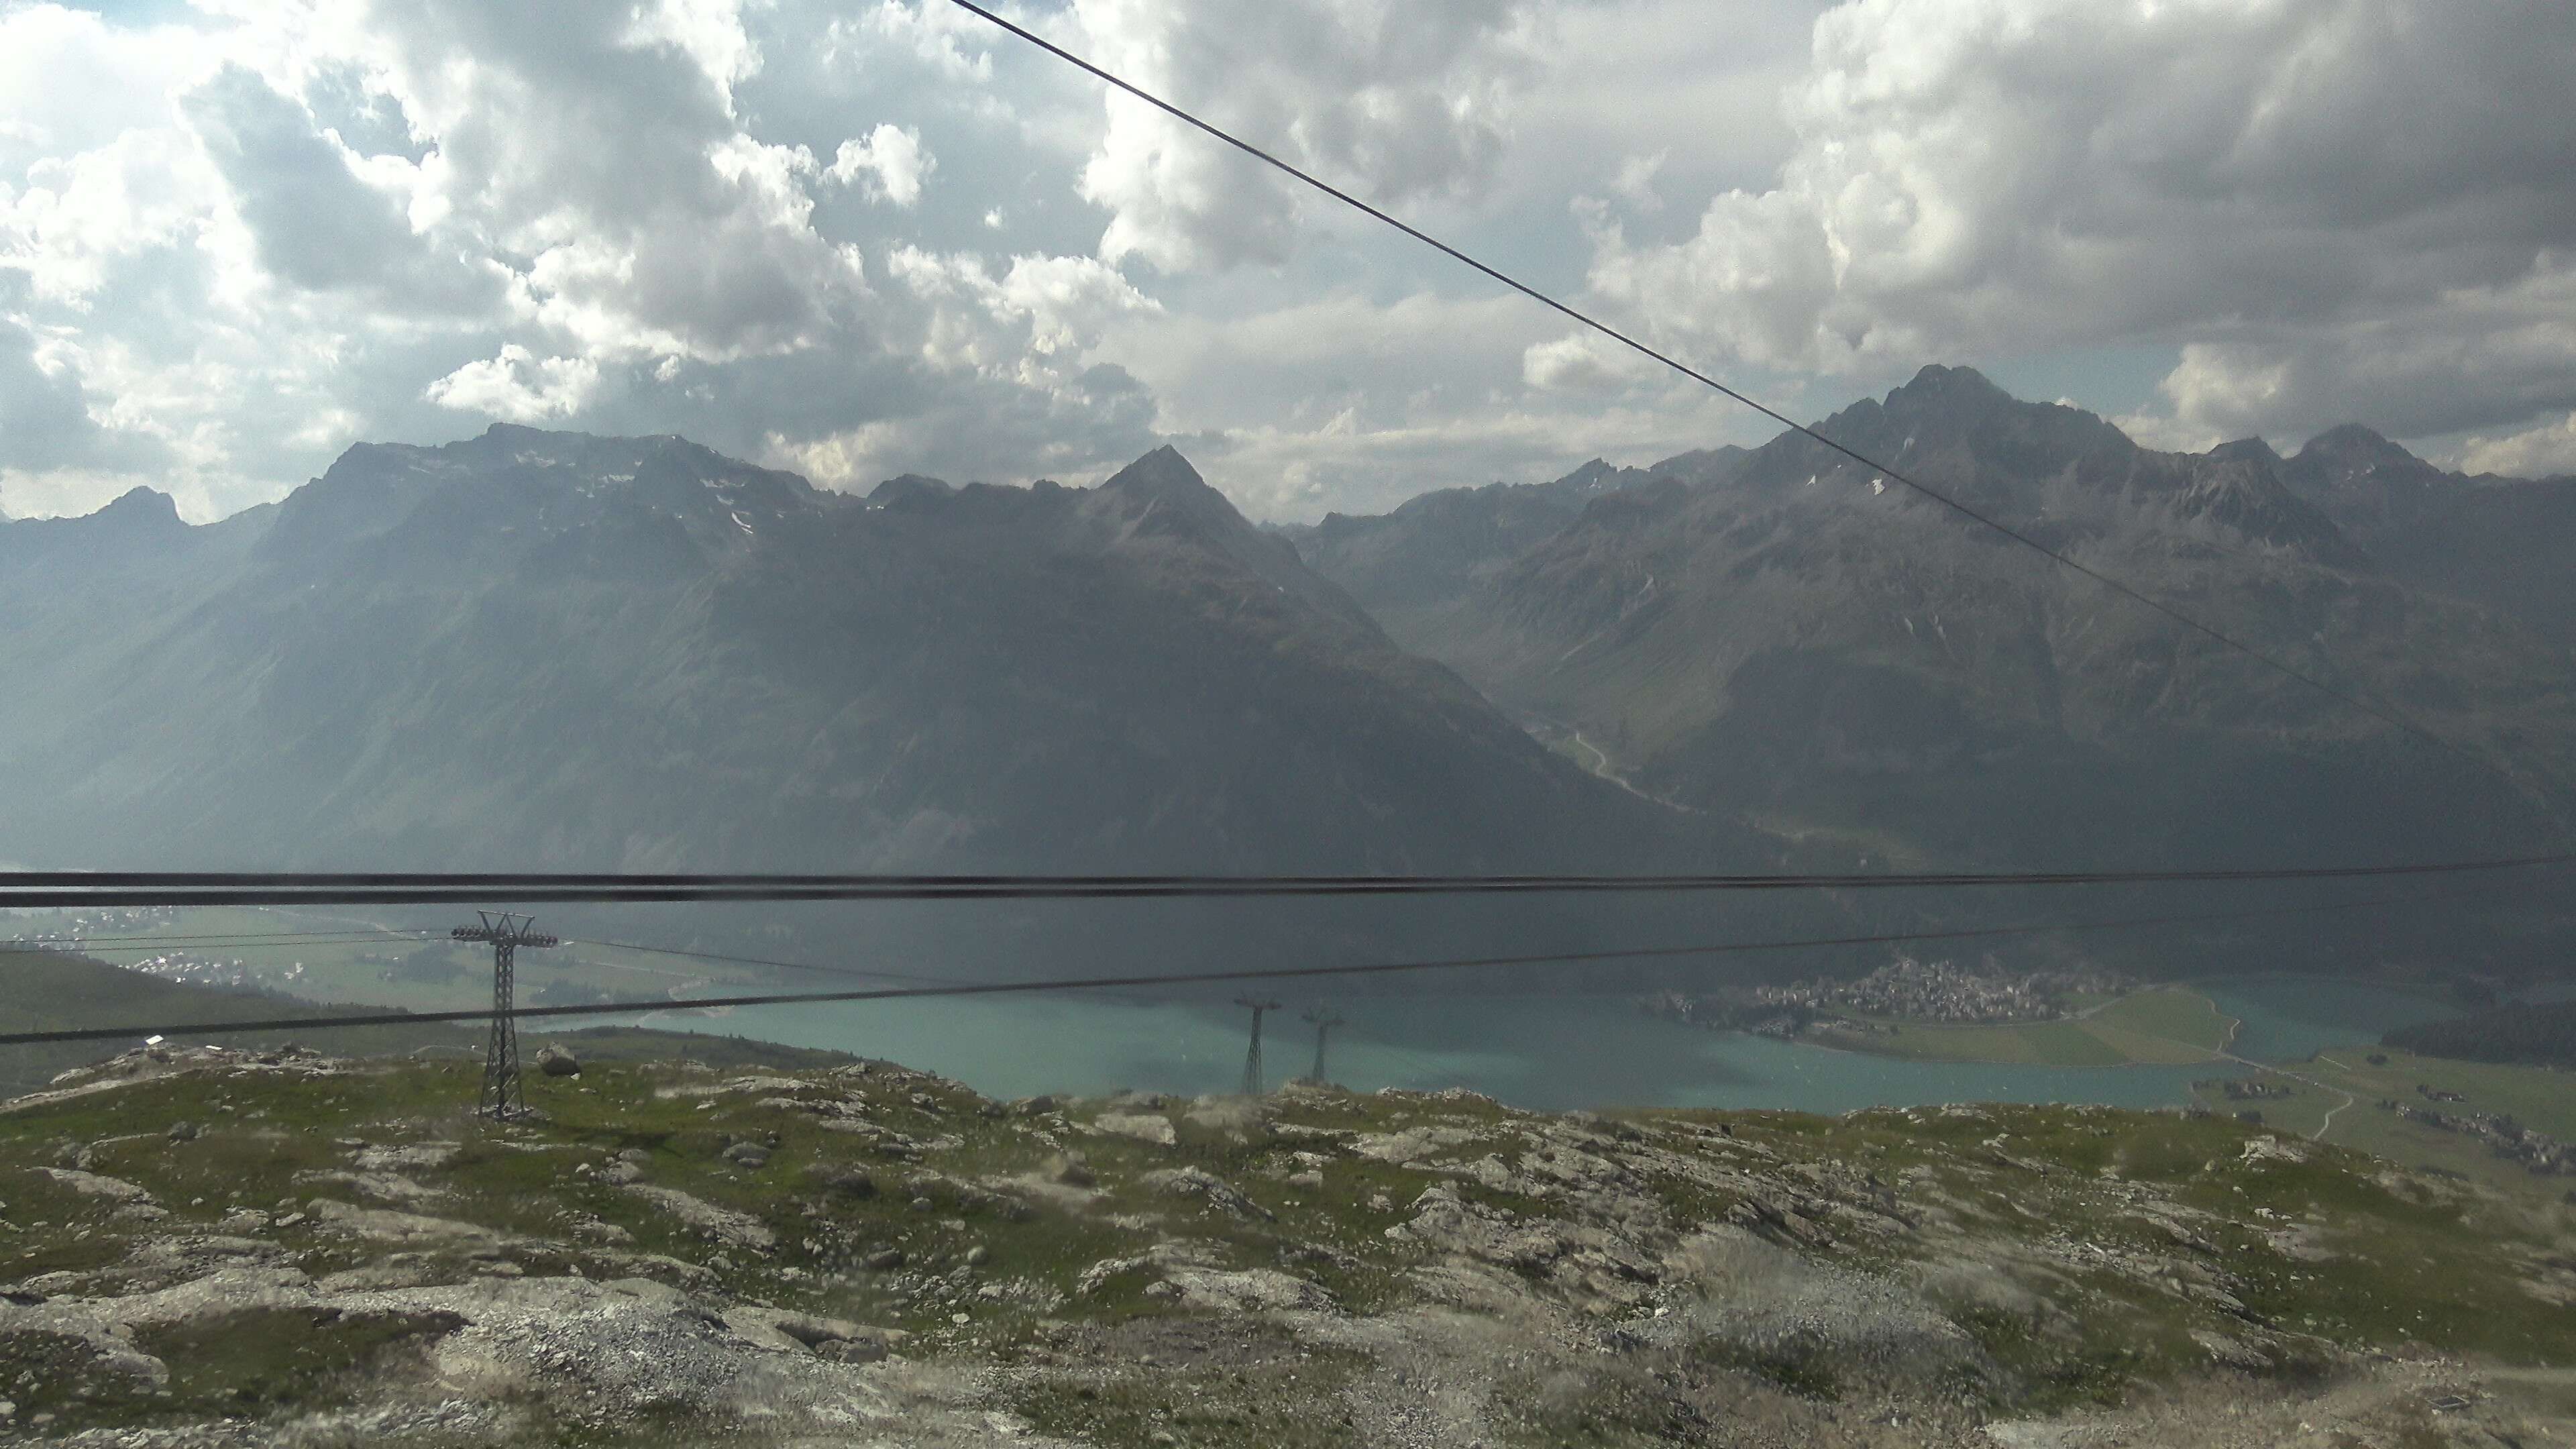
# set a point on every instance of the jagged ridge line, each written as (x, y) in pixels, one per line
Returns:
(2384, 714)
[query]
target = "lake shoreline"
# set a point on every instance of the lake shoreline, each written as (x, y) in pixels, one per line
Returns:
(1552, 1051)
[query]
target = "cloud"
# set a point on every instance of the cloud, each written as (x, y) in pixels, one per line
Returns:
(238, 237)
(1394, 101)
(74, 83)
(1346, 403)
(950, 42)
(889, 163)
(519, 388)
(2468, 357)
(1635, 179)
(2548, 450)
(252, 236)
(603, 163)
(1585, 362)
(2278, 188)
(317, 223)
(76, 223)
(1030, 322)
(986, 427)
(45, 418)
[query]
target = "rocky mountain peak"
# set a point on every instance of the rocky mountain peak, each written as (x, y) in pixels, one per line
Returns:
(2353, 448)
(1950, 390)
(1958, 423)
(1162, 473)
(910, 488)
(2243, 491)
(1592, 477)
(2246, 450)
(138, 524)
(1162, 486)
(140, 510)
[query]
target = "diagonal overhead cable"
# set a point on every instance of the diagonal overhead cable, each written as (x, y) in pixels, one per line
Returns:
(1196, 978)
(2382, 713)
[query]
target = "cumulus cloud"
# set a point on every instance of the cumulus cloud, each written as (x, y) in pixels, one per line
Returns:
(2546, 451)
(2281, 187)
(45, 417)
(889, 163)
(607, 154)
(1039, 311)
(950, 42)
(317, 223)
(249, 236)
(518, 387)
(1398, 101)
(1585, 362)
(1635, 180)
(2466, 357)
(1345, 403)
(236, 238)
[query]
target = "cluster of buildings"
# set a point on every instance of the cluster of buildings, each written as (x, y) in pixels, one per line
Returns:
(1943, 991)
(74, 933)
(213, 971)
(2538, 1152)
(2244, 1089)
(74, 929)
(1906, 989)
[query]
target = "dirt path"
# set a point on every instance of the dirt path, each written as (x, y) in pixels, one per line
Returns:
(2227, 1056)
(2328, 1122)
(1600, 762)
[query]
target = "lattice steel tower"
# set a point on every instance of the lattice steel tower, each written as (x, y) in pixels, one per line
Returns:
(1252, 1058)
(501, 1099)
(1324, 1022)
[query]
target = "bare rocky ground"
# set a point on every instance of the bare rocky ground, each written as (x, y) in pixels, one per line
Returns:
(224, 1248)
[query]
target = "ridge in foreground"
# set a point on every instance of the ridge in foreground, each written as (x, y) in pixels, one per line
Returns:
(220, 1247)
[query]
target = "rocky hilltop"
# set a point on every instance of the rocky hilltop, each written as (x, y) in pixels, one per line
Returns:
(207, 1247)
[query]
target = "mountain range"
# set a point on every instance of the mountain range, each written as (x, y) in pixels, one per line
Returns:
(552, 650)
(1788, 638)
(548, 650)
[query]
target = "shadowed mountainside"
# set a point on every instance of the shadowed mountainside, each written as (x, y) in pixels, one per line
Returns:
(543, 649)
(1784, 638)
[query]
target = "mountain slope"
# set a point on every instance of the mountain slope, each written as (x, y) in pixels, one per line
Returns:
(543, 649)
(1803, 644)
(1432, 549)
(2502, 542)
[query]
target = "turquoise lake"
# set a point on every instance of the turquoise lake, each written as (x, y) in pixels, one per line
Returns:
(1546, 1051)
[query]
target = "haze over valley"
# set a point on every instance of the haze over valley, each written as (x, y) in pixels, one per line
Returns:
(1285, 724)
(546, 650)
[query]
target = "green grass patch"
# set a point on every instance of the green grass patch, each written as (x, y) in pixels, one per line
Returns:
(2170, 1015)
(2541, 1098)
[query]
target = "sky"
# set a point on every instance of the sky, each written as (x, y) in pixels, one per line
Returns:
(879, 237)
